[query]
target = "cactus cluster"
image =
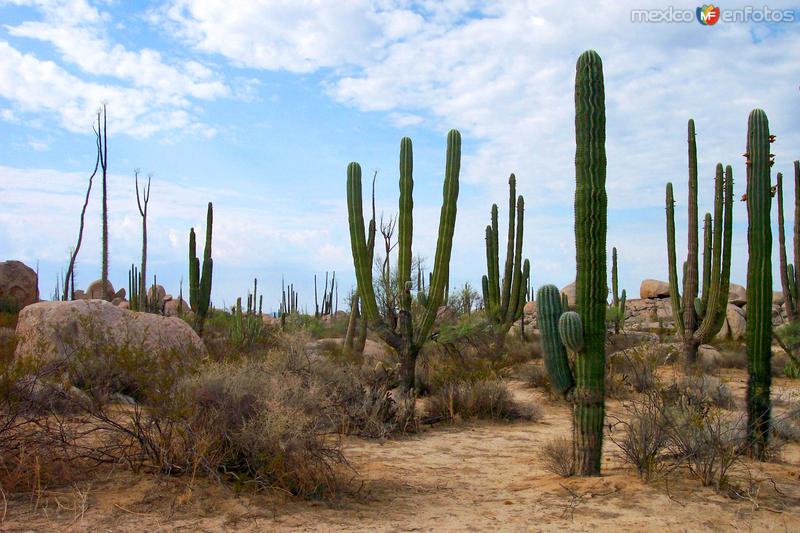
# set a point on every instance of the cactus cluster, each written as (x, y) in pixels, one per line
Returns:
(759, 282)
(583, 332)
(407, 337)
(504, 304)
(329, 304)
(699, 319)
(789, 272)
(617, 308)
(288, 305)
(200, 280)
(136, 294)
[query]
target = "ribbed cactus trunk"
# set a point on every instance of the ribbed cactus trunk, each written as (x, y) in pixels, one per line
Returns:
(759, 282)
(406, 339)
(590, 243)
(617, 302)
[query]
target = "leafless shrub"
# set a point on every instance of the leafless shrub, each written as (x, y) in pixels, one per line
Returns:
(644, 436)
(558, 456)
(703, 389)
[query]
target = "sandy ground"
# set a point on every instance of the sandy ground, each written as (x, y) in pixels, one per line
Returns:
(475, 477)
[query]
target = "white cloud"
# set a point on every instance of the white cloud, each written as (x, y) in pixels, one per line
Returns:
(150, 95)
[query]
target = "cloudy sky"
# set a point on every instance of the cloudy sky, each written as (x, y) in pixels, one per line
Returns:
(259, 108)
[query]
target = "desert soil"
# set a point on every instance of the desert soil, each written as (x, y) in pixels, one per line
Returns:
(472, 477)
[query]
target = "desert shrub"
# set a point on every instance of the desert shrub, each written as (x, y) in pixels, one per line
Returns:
(706, 440)
(534, 375)
(519, 350)
(791, 369)
(616, 384)
(706, 389)
(264, 427)
(558, 457)
(644, 435)
(733, 358)
(479, 399)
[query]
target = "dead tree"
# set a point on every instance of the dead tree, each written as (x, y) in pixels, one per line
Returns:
(142, 202)
(69, 278)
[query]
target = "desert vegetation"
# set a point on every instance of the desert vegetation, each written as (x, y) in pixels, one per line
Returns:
(419, 403)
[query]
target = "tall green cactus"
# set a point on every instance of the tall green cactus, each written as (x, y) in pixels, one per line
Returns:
(759, 282)
(584, 332)
(134, 289)
(617, 301)
(200, 280)
(408, 338)
(504, 307)
(788, 272)
(709, 310)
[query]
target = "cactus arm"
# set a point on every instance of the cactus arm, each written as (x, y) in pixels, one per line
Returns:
(707, 251)
(516, 283)
(570, 331)
(405, 223)
(614, 281)
(796, 277)
(508, 272)
(691, 280)
(490, 301)
(674, 294)
(358, 244)
(787, 293)
(590, 243)
(194, 272)
(523, 292)
(548, 302)
(759, 282)
(715, 305)
(444, 244)
(494, 279)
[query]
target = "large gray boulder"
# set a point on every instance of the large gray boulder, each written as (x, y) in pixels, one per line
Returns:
(737, 324)
(95, 340)
(95, 291)
(19, 285)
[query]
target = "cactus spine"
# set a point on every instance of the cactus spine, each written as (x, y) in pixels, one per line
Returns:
(200, 280)
(407, 339)
(788, 272)
(504, 308)
(617, 300)
(759, 282)
(709, 310)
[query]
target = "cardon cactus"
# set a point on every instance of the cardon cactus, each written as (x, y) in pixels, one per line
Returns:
(200, 280)
(584, 331)
(698, 320)
(759, 282)
(408, 337)
(788, 271)
(504, 304)
(617, 301)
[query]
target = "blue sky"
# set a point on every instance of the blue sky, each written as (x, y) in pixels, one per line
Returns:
(260, 108)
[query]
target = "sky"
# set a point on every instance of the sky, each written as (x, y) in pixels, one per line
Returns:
(259, 108)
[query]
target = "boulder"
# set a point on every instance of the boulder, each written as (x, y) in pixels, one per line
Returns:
(99, 343)
(95, 291)
(777, 297)
(569, 290)
(19, 285)
(121, 294)
(124, 304)
(79, 295)
(724, 332)
(737, 324)
(530, 308)
(156, 291)
(737, 295)
(708, 356)
(177, 307)
(653, 288)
